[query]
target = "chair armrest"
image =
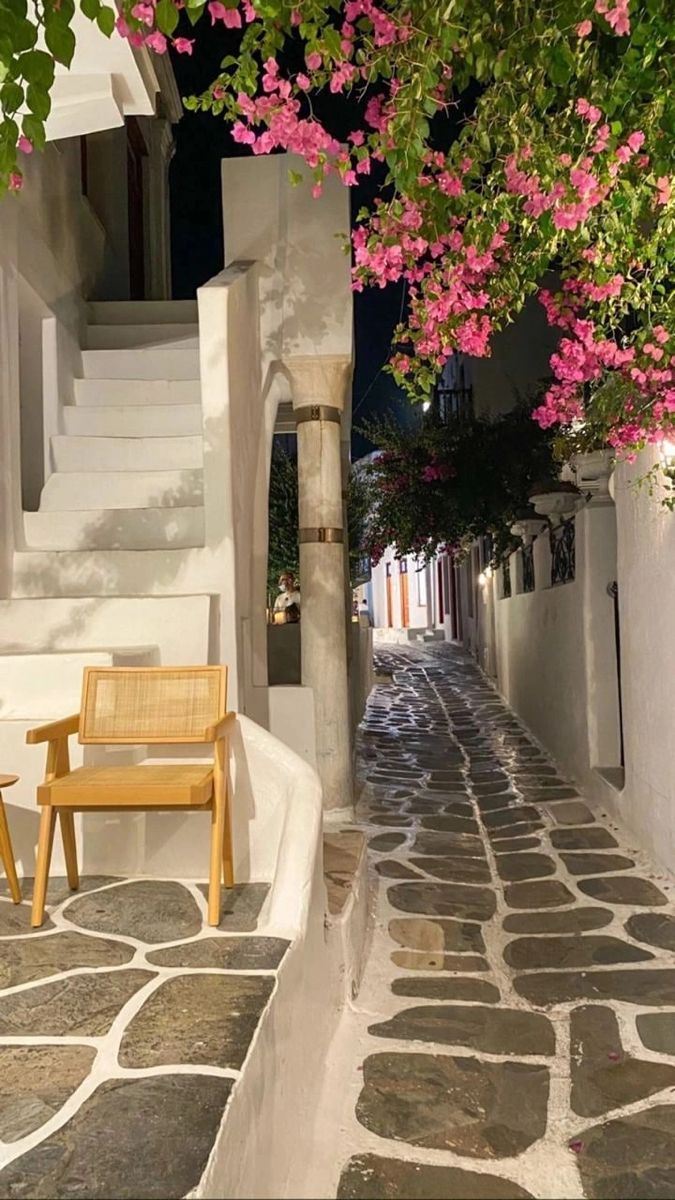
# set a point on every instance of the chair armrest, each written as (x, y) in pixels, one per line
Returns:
(214, 732)
(54, 730)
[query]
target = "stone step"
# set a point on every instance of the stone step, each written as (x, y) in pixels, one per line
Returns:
(178, 626)
(129, 392)
(132, 420)
(157, 362)
(94, 573)
(115, 529)
(74, 491)
(126, 453)
(122, 337)
(141, 312)
(48, 685)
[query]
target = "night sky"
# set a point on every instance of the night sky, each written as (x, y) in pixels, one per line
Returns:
(202, 141)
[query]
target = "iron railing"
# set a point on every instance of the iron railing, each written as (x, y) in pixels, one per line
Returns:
(562, 553)
(506, 579)
(453, 404)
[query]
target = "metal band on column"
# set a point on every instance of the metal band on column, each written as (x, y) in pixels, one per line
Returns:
(317, 412)
(310, 534)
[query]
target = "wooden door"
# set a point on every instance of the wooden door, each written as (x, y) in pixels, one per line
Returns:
(405, 599)
(390, 608)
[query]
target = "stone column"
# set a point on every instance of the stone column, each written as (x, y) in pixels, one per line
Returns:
(319, 386)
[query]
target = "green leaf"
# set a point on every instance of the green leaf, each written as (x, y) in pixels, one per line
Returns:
(38, 101)
(34, 130)
(59, 38)
(37, 67)
(106, 21)
(11, 97)
(194, 12)
(166, 17)
(90, 8)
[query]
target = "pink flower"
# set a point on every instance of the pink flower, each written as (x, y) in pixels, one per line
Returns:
(231, 17)
(663, 188)
(303, 81)
(24, 145)
(156, 41)
(15, 182)
(144, 13)
(636, 140)
(584, 28)
(314, 60)
(122, 27)
(183, 45)
(242, 134)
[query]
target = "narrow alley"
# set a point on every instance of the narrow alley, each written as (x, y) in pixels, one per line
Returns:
(514, 1035)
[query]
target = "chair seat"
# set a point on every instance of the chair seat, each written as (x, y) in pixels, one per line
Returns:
(168, 786)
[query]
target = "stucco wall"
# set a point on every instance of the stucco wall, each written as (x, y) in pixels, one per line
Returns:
(556, 655)
(646, 574)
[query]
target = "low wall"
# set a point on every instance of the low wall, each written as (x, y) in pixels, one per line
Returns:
(556, 654)
(646, 574)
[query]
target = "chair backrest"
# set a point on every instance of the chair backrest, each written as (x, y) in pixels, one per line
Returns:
(151, 704)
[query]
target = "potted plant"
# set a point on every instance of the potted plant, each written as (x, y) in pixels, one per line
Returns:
(555, 499)
(583, 446)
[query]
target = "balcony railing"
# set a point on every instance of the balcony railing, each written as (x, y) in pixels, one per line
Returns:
(562, 553)
(452, 404)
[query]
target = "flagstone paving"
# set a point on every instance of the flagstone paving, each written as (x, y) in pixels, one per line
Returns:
(124, 1025)
(515, 1031)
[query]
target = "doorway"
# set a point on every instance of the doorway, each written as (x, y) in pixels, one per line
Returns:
(405, 596)
(390, 608)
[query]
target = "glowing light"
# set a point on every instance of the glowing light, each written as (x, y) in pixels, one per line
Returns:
(482, 579)
(668, 451)
(426, 406)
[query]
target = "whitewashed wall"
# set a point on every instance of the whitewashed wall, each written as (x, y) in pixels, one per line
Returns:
(646, 574)
(555, 651)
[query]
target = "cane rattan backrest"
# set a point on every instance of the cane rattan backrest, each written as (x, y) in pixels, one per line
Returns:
(151, 704)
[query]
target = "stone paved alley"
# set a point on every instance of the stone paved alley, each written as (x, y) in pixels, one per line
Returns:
(514, 1035)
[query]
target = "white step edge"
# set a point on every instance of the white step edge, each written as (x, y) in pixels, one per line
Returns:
(132, 420)
(123, 337)
(178, 625)
(104, 573)
(155, 363)
(126, 454)
(115, 529)
(127, 392)
(35, 685)
(72, 491)
(140, 312)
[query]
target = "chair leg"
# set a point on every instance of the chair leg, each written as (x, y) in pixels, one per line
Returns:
(217, 830)
(44, 854)
(70, 848)
(228, 856)
(7, 855)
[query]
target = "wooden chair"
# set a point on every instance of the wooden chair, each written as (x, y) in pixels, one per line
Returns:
(131, 706)
(6, 851)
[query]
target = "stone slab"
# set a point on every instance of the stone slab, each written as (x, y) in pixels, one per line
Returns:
(457, 870)
(623, 889)
(35, 1082)
(545, 893)
(240, 906)
(646, 986)
(632, 1156)
(460, 1104)
(596, 864)
(524, 865)
(657, 1031)
(370, 1177)
(478, 990)
(657, 929)
(96, 1154)
(76, 1006)
(23, 960)
(491, 1030)
(444, 900)
(572, 920)
(414, 960)
(604, 1077)
(207, 1019)
(419, 933)
(595, 838)
(152, 910)
(224, 954)
(542, 953)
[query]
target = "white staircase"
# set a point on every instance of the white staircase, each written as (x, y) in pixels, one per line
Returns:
(126, 477)
(127, 463)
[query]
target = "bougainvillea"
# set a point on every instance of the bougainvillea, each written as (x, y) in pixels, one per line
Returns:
(509, 138)
(441, 486)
